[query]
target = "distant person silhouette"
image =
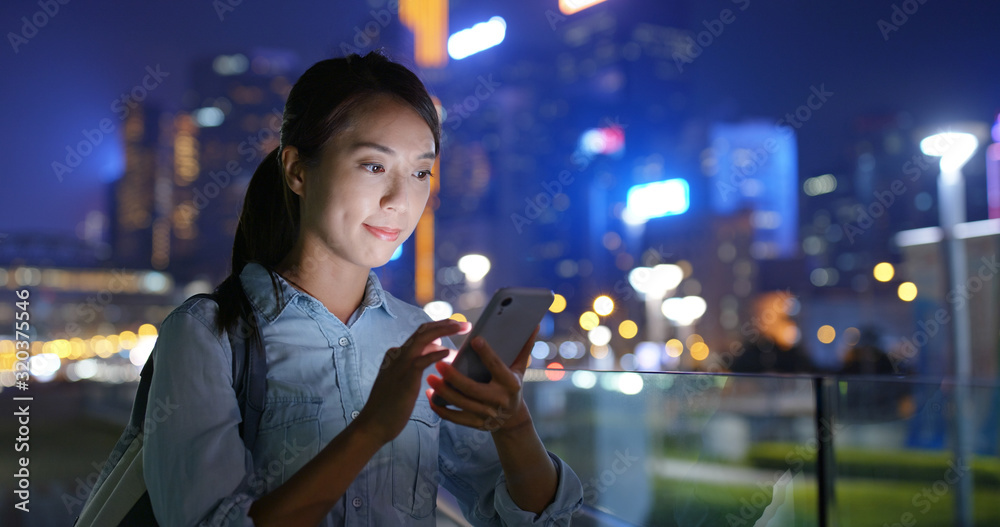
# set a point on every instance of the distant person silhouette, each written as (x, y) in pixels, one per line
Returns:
(772, 343)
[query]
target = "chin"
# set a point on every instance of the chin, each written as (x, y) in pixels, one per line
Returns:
(378, 260)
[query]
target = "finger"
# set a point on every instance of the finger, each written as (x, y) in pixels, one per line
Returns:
(429, 331)
(460, 400)
(477, 390)
(431, 348)
(428, 358)
(455, 416)
(462, 326)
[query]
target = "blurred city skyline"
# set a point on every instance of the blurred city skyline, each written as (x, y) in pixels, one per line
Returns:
(933, 68)
(793, 130)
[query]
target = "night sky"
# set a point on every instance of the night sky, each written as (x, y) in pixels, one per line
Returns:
(940, 66)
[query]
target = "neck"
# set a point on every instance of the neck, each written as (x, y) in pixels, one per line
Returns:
(339, 285)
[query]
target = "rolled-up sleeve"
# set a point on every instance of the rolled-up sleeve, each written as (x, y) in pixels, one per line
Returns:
(195, 464)
(472, 473)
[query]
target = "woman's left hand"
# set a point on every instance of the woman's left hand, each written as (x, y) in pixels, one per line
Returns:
(496, 406)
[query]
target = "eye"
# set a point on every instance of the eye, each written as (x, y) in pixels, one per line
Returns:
(424, 174)
(374, 168)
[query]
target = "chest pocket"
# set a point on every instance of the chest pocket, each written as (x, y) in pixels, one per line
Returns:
(415, 463)
(288, 437)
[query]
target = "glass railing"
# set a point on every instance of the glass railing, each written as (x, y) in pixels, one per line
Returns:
(665, 449)
(701, 449)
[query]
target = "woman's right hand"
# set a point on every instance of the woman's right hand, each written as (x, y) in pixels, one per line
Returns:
(397, 385)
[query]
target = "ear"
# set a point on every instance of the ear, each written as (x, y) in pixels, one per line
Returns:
(295, 173)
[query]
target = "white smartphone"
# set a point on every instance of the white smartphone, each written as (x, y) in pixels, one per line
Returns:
(506, 323)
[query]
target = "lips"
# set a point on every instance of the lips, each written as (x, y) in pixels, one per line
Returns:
(383, 233)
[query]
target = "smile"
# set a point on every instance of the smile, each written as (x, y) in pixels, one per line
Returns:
(388, 235)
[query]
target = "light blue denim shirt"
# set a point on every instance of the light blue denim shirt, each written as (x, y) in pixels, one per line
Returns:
(320, 372)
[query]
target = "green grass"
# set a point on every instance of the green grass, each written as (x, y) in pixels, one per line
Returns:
(858, 503)
(909, 465)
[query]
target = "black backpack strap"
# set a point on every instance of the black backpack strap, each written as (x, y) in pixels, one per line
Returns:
(137, 419)
(249, 372)
(249, 379)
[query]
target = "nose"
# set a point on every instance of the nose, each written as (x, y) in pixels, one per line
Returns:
(394, 196)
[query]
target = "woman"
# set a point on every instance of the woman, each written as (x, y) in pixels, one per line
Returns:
(346, 437)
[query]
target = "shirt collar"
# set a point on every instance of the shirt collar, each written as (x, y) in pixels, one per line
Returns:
(256, 281)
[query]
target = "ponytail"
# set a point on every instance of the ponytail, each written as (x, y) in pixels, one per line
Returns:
(266, 231)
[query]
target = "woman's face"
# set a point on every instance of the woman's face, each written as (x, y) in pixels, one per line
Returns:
(365, 197)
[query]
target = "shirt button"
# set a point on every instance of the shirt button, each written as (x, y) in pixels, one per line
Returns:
(356, 502)
(354, 414)
(344, 341)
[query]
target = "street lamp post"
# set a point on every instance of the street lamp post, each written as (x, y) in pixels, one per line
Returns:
(474, 267)
(955, 149)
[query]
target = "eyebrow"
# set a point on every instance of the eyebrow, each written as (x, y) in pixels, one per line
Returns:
(386, 150)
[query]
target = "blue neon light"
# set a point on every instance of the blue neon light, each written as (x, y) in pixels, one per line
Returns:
(657, 199)
(479, 37)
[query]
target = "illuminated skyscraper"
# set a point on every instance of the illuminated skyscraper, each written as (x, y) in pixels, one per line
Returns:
(134, 212)
(231, 121)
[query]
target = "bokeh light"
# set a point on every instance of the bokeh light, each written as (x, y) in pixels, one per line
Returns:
(628, 329)
(604, 305)
(699, 351)
(884, 272)
(558, 303)
(554, 371)
(675, 348)
(826, 334)
(907, 291)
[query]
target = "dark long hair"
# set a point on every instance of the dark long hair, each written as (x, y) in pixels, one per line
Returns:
(324, 102)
